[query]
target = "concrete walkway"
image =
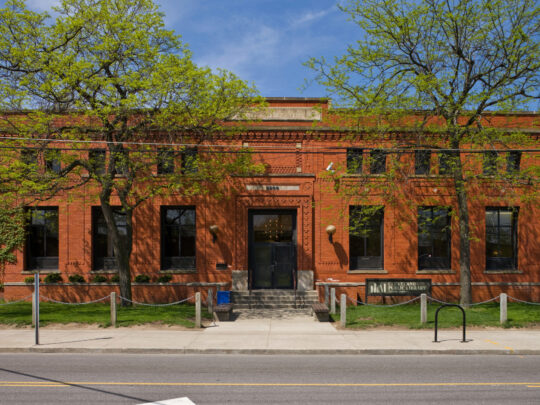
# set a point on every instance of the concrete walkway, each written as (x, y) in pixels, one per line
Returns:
(272, 334)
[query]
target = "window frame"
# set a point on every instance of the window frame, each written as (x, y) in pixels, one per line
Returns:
(513, 162)
(422, 162)
(46, 261)
(165, 161)
(354, 160)
(428, 261)
(489, 163)
(364, 261)
(377, 161)
(107, 262)
(182, 262)
(503, 262)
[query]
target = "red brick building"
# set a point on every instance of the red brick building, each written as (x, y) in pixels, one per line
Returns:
(272, 230)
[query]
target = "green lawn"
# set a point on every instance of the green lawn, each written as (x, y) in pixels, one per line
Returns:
(519, 315)
(20, 314)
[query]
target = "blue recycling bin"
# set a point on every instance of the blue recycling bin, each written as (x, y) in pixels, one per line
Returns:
(223, 297)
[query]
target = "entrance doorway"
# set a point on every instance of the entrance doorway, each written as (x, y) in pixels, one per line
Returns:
(272, 248)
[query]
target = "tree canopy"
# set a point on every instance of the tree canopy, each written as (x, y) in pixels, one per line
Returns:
(437, 70)
(111, 93)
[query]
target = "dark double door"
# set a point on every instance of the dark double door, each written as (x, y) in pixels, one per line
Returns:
(272, 248)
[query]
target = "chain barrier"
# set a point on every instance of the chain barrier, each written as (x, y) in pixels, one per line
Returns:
(44, 298)
(523, 302)
(439, 301)
(382, 306)
(16, 302)
(156, 305)
(484, 302)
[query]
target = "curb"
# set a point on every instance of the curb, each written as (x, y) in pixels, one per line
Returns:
(384, 352)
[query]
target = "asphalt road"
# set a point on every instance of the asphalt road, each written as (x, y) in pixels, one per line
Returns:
(206, 379)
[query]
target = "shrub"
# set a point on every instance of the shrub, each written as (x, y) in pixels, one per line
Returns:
(29, 280)
(99, 278)
(53, 278)
(115, 278)
(76, 278)
(142, 278)
(164, 278)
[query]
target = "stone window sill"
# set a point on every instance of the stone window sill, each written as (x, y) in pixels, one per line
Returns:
(178, 271)
(367, 271)
(508, 271)
(435, 271)
(41, 271)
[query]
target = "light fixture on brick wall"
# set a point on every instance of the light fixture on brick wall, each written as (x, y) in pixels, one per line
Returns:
(330, 230)
(214, 230)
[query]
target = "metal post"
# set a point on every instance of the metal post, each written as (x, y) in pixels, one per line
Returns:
(503, 307)
(210, 300)
(343, 308)
(36, 306)
(423, 308)
(327, 294)
(113, 308)
(198, 310)
(333, 301)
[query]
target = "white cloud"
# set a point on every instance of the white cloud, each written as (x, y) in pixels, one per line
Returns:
(42, 5)
(312, 16)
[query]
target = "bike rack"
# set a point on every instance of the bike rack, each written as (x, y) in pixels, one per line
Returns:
(437, 319)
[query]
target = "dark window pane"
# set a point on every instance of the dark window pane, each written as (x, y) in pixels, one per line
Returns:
(52, 161)
(490, 163)
(96, 159)
(102, 245)
(365, 237)
(501, 236)
(433, 238)
(165, 161)
(178, 237)
(422, 162)
(447, 161)
(513, 162)
(377, 163)
(189, 160)
(354, 160)
(42, 240)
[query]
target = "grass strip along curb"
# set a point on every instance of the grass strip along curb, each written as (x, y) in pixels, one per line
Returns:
(20, 314)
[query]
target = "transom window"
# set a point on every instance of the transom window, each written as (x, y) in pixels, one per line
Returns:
(434, 238)
(42, 239)
(501, 238)
(366, 237)
(178, 242)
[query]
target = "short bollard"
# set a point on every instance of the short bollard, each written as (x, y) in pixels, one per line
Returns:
(503, 307)
(198, 310)
(423, 308)
(333, 301)
(343, 309)
(113, 309)
(327, 295)
(210, 301)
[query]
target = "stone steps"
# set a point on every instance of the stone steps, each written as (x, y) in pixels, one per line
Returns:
(273, 299)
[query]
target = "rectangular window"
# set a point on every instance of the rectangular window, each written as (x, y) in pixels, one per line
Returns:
(165, 161)
(377, 161)
(42, 239)
(501, 238)
(513, 161)
(96, 158)
(434, 238)
(189, 160)
(422, 162)
(366, 237)
(52, 161)
(447, 160)
(490, 163)
(354, 160)
(103, 254)
(178, 231)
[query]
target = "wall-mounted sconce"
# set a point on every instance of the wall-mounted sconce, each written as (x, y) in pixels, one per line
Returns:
(330, 230)
(214, 230)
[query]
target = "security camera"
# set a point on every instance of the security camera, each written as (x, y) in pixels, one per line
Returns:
(330, 166)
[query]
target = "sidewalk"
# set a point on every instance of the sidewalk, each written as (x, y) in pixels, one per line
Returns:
(287, 335)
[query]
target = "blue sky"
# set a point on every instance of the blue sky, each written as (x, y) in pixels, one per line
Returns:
(262, 41)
